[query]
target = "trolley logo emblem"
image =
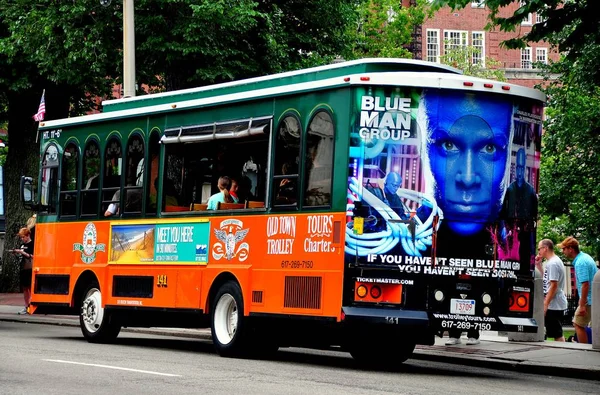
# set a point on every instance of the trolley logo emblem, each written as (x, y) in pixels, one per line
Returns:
(230, 234)
(89, 248)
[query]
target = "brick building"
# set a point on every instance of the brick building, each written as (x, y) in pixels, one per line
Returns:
(466, 27)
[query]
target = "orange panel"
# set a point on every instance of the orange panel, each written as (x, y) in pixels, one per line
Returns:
(271, 253)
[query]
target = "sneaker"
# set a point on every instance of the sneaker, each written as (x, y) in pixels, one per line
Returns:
(24, 311)
(452, 341)
(472, 341)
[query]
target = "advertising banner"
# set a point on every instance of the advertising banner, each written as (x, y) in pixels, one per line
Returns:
(443, 182)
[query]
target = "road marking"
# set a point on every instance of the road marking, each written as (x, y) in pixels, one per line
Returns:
(112, 367)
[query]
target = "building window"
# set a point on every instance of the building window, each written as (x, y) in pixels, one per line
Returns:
(526, 58)
(433, 45)
(541, 55)
(478, 4)
(529, 18)
(539, 18)
(478, 40)
(455, 39)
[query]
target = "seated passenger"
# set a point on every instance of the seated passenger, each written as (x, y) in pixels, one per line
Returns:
(233, 191)
(221, 197)
(113, 208)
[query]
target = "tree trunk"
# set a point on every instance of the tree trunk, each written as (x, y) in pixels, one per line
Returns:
(22, 159)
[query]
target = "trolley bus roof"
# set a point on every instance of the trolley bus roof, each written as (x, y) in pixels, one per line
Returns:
(390, 72)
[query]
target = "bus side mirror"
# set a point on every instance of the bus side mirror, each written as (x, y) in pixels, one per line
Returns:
(27, 193)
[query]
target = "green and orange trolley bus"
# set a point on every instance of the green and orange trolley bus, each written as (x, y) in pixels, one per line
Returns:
(366, 204)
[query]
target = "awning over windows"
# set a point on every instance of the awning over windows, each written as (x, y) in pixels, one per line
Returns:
(217, 131)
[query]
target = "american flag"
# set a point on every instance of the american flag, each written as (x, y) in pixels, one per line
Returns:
(39, 116)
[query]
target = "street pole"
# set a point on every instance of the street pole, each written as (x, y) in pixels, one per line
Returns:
(128, 49)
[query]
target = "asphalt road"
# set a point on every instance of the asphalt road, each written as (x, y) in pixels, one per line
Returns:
(46, 359)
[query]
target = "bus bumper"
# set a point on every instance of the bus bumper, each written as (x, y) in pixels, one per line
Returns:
(517, 324)
(366, 315)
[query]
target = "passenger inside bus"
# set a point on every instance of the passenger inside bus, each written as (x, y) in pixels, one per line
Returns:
(287, 187)
(223, 196)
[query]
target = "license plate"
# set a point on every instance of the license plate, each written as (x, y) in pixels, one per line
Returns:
(462, 306)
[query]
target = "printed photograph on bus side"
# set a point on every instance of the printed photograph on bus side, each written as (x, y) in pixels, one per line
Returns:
(443, 182)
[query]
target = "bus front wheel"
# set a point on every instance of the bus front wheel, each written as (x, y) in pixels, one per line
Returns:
(228, 326)
(96, 324)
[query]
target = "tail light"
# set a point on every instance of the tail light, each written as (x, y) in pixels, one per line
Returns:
(377, 293)
(518, 301)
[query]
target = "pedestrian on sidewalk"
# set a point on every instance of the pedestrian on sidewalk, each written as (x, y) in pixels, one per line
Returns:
(25, 254)
(555, 300)
(454, 337)
(585, 269)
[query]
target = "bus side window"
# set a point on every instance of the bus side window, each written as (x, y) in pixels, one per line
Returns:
(134, 176)
(90, 179)
(287, 155)
(49, 179)
(151, 172)
(319, 160)
(69, 181)
(111, 182)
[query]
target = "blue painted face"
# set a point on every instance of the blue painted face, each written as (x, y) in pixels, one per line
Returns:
(468, 163)
(392, 183)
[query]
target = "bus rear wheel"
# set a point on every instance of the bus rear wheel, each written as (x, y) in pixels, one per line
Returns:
(96, 324)
(228, 324)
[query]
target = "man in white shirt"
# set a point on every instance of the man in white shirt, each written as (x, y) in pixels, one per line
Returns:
(555, 301)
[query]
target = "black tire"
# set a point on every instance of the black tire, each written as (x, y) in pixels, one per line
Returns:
(229, 327)
(390, 356)
(96, 325)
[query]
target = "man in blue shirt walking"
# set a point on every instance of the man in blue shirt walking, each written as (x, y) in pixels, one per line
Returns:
(585, 269)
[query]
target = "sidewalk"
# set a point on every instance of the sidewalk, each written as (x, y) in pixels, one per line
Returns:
(494, 352)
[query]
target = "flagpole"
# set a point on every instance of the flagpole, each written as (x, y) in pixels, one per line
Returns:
(37, 133)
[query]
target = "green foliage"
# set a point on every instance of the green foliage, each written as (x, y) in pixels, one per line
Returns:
(384, 28)
(569, 194)
(570, 161)
(461, 58)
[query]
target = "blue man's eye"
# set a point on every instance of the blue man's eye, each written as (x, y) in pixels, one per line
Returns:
(449, 145)
(489, 149)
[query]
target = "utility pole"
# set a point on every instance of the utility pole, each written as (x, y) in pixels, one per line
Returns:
(128, 49)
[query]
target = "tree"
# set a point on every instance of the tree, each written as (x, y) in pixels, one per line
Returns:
(74, 51)
(461, 58)
(384, 28)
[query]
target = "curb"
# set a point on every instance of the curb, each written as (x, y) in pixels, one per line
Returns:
(175, 332)
(521, 366)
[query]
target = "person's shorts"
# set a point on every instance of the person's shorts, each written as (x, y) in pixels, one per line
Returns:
(25, 277)
(583, 320)
(552, 322)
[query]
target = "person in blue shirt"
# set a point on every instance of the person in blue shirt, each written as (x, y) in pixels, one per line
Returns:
(224, 184)
(585, 269)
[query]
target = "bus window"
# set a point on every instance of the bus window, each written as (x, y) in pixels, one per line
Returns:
(49, 179)
(90, 179)
(68, 182)
(197, 156)
(287, 156)
(319, 160)
(134, 176)
(152, 174)
(111, 183)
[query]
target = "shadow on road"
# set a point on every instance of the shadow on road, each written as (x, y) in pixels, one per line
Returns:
(328, 359)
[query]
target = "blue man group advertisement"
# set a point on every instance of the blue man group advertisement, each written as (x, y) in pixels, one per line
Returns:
(444, 182)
